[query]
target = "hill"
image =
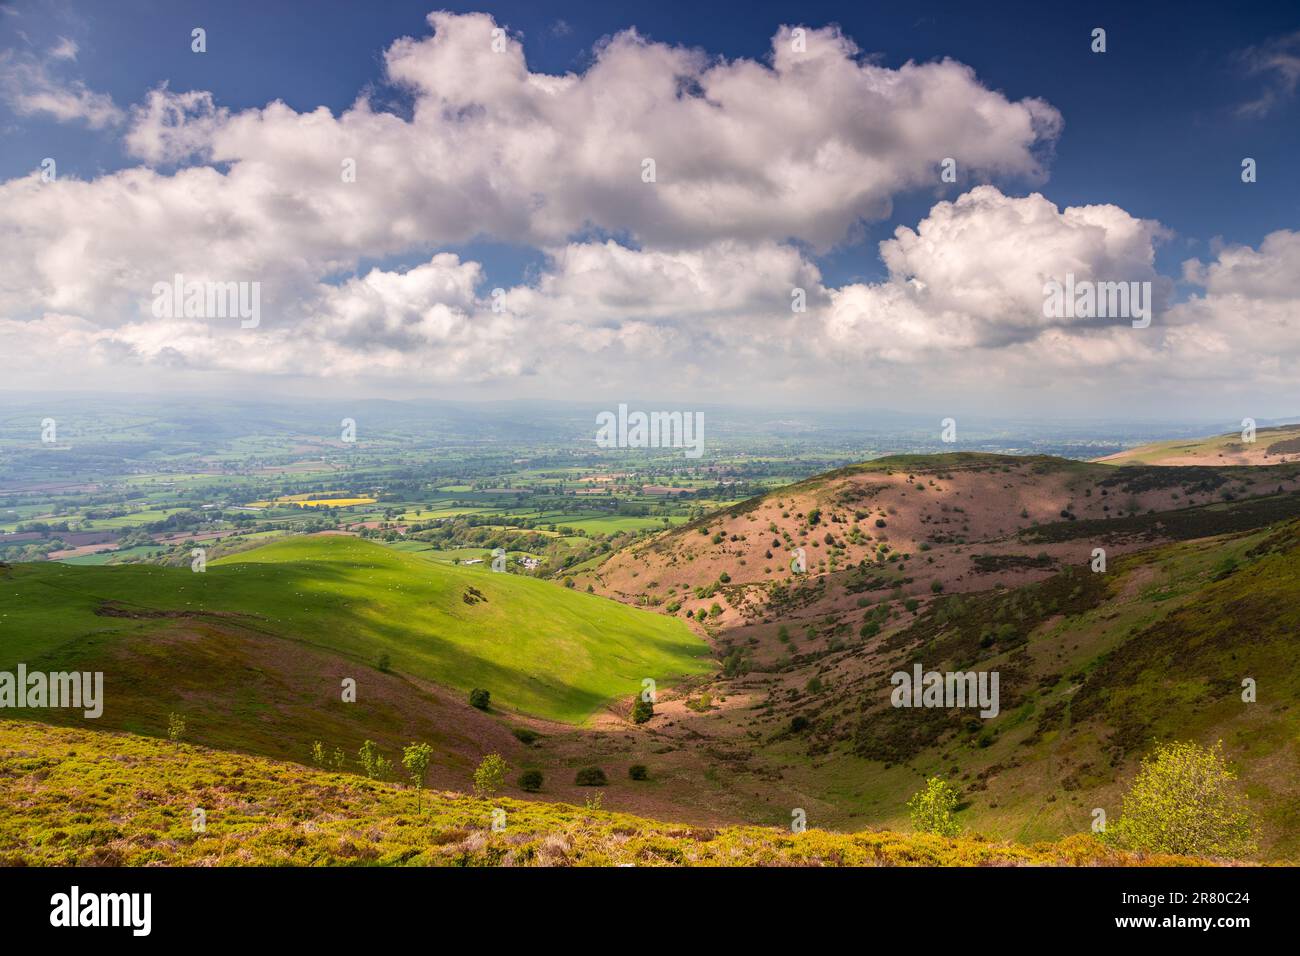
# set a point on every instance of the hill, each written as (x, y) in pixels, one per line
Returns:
(1278, 444)
(1095, 667)
(88, 798)
(1198, 593)
(917, 525)
(253, 651)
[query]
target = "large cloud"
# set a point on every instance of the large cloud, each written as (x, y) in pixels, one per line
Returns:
(802, 148)
(972, 274)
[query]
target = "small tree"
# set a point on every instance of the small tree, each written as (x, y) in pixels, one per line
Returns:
(480, 698)
(416, 759)
(1184, 800)
(932, 808)
(318, 753)
(530, 780)
(642, 710)
(490, 775)
(175, 727)
(375, 764)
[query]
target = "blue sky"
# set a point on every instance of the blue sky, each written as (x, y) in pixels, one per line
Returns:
(1155, 129)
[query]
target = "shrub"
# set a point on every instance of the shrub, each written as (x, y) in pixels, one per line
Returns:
(525, 736)
(530, 780)
(490, 775)
(175, 727)
(1184, 800)
(638, 771)
(642, 710)
(374, 764)
(932, 808)
(798, 724)
(480, 698)
(384, 663)
(590, 777)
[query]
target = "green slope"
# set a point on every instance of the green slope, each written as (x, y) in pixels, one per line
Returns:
(1097, 669)
(536, 646)
(76, 797)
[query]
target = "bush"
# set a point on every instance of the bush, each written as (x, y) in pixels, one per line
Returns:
(590, 777)
(642, 710)
(525, 736)
(932, 809)
(638, 771)
(1184, 800)
(175, 727)
(530, 780)
(374, 764)
(798, 724)
(490, 775)
(480, 698)
(384, 663)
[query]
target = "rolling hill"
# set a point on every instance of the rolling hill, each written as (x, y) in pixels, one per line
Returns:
(89, 798)
(976, 562)
(1278, 444)
(970, 562)
(253, 651)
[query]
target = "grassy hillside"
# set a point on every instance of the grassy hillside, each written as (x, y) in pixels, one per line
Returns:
(983, 562)
(537, 647)
(87, 798)
(1279, 443)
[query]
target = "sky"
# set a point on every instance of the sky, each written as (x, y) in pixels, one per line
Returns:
(457, 201)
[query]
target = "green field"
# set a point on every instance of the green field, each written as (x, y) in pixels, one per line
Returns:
(538, 647)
